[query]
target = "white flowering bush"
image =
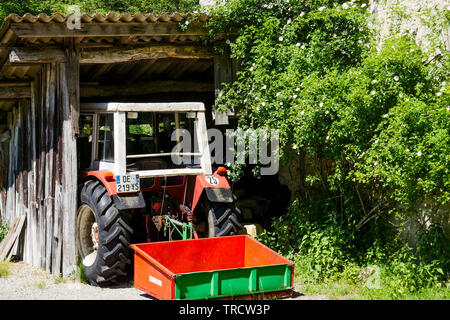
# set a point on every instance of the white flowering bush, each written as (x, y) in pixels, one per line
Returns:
(372, 120)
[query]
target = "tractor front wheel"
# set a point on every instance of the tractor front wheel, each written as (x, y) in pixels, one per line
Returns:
(103, 236)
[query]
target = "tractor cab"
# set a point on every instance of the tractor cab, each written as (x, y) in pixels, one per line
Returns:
(146, 176)
(142, 138)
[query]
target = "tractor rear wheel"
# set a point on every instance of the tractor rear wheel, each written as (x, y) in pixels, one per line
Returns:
(222, 219)
(103, 236)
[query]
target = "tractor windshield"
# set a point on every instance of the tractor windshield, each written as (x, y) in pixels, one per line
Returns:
(153, 140)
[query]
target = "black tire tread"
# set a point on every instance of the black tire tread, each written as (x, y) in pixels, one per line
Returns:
(225, 218)
(114, 236)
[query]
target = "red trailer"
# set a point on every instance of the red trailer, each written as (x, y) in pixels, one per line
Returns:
(211, 268)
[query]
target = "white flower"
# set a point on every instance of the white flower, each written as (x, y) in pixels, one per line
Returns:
(280, 38)
(228, 41)
(297, 44)
(373, 92)
(376, 141)
(187, 22)
(419, 153)
(297, 89)
(396, 78)
(448, 108)
(251, 69)
(257, 108)
(328, 137)
(363, 5)
(400, 95)
(439, 94)
(327, 112)
(263, 103)
(264, 87)
(289, 21)
(345, 5)
(278, 93)
(294, 96)
(321, 104)
(375, 163)
(436, 78)
(303, 112)
(374, 81)
(385, 115)
(407, 150)
(321, 8)
(302, 47)
(281, 103)
(294, 146)
(302, 14)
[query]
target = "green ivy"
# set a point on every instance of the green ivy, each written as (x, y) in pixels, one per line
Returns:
(371, 118)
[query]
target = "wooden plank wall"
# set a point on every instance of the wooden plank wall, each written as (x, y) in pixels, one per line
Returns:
(4, 159)
(42, 170)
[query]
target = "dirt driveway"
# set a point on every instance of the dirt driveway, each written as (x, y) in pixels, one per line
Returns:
(28, 283)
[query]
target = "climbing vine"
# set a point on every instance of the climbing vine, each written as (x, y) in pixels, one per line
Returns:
(371, 117)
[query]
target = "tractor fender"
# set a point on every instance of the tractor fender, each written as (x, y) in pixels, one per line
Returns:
(123, 201)
(216, 188)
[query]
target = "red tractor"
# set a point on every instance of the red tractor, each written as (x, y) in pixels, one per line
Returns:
(133, 191)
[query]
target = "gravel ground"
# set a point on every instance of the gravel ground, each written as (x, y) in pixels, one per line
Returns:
(25, 282)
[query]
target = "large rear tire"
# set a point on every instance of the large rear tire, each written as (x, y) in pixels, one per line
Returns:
(103, 236)
(222, 218)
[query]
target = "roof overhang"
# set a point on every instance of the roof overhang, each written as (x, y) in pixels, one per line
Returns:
(28, 41)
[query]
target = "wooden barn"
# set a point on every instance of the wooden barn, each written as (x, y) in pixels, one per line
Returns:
(49, 65)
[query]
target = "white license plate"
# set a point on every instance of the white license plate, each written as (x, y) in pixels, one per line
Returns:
(128, 183)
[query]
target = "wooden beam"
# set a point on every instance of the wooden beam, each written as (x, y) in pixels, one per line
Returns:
(143, 106)
(126, 40)
(8, 41)
(72, 68)
(20, 55)
(30, 30)
(29, 55)
(98, 71)
(15, 92)
(117, 54)
(15, 83)
(141, 68)
(145, 88)
(178, 72)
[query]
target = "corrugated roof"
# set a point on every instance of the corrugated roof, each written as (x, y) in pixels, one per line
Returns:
(99, 18)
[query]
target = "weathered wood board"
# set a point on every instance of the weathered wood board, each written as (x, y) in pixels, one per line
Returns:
(12, 237)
